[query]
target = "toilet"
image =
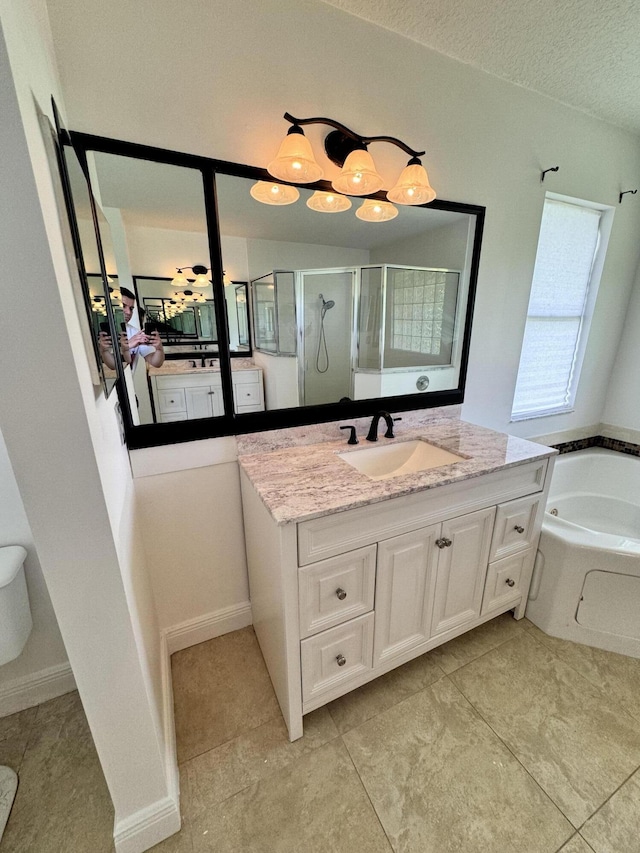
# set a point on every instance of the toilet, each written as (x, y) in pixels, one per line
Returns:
(15, 627)
(15, 613)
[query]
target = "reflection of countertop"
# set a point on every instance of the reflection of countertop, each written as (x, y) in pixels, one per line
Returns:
(298, 483)
(178, 366)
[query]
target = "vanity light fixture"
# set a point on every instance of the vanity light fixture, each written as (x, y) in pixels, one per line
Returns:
(200, 272)
(270, 193)
(324, 202)
(374, 210)
(349, 151)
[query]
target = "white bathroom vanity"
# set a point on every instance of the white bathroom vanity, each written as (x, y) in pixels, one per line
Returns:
(352, 576)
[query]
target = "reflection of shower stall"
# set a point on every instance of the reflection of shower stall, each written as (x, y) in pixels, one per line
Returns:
(362, 332)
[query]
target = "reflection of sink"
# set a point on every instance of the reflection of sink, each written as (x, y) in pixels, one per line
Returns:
(393, 460)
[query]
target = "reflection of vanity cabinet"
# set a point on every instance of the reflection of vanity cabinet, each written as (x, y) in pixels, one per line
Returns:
(185, 396)
(340, 599)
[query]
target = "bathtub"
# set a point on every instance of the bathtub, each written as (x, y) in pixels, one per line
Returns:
(586, 580)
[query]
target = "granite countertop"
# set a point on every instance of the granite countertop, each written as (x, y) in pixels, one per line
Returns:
(174, 367)
(299, 483)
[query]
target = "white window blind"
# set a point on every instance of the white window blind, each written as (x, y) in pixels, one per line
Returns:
(547, 375)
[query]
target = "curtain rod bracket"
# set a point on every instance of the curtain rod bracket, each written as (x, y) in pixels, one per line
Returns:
(552, 169)
(626, 192)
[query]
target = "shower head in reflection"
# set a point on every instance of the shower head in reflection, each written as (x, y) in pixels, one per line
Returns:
(326, 304)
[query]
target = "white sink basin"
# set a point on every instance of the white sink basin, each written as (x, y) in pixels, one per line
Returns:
(393, 460)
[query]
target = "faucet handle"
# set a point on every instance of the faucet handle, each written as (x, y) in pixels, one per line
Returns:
(352, 438)
(389, 432)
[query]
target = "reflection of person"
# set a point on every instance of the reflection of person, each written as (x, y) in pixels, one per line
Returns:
(133, 342)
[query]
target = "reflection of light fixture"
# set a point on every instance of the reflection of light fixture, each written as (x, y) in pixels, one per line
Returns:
(269, 193)
(295, 161)
(348, 150)
(373, 210)
(190, 296)
(325, 202)
(200, 272)
(115, 294)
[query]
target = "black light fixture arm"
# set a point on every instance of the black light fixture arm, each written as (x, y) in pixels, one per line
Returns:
(363, 140)
(198, 269)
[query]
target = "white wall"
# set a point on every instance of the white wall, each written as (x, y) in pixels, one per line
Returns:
(267, 255)
(44, 648)
(69, 463)
(444, 247)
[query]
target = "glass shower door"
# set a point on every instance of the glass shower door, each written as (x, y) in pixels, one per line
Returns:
(326, 297)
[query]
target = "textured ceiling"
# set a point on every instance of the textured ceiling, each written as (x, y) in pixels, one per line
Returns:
(584, 53)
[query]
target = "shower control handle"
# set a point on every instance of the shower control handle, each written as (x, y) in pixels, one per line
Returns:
(518, 528)
(341, 594)
(510, 582)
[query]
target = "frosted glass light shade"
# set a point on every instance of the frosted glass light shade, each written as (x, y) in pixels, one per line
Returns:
(413, 186)
(179, 279)
(373, 210)
(269, 193)
(201, 280)
(358, 175)
(324, 202)
(295, 161)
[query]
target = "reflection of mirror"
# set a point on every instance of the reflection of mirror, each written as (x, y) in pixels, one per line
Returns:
(90, 260)
(346, 316)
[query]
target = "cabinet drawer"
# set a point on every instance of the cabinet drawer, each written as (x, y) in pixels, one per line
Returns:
(171, 401)
(243, 377)
(335, 590)
(504, 580)
(246, 394)
(332, 659)
(514, 528)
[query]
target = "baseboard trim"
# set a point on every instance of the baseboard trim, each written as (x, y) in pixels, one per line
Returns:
(171, 753)
(203, 628)
(30, 690)
(149, 826)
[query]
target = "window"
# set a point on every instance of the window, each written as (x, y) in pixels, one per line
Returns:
(571, 248)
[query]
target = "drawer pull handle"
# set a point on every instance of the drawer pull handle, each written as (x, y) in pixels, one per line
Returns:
(341, 659)
(211, 393)
(341, 594)
(518, 528)
(510, 582)
(443, 543)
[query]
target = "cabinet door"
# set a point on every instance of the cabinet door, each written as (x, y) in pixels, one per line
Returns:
(462, 567)
(404, 581)
(204, 402)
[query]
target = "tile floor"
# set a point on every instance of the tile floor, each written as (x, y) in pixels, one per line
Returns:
(504, 740)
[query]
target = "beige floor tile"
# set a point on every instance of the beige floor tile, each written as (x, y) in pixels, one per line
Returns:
(617, 675)
(360, 705)
(615, 828)
(315, 805)
(474, 644)
(178, 843)
(218, 774)
(221, 688)
(14, 735)
(62, 803)
(576, 743)
(576, 845)
(442, 782)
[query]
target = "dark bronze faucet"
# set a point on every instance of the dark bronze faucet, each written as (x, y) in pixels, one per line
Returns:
(372, 435)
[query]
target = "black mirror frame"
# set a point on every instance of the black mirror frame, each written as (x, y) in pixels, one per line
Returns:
(151, 435)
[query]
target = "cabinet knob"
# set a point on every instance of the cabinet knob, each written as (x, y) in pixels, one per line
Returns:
(518, 528)
(341, 594)
(443, 542)
(510, 582)
(341, 659)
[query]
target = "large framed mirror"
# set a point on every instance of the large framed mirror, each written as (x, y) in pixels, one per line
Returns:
(272, 316)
